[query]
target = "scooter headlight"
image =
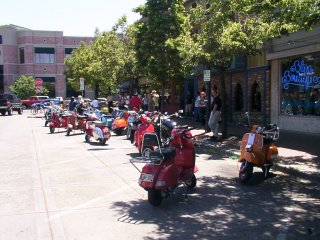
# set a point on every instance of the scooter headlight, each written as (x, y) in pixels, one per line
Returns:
(248, 148)
(274, 156)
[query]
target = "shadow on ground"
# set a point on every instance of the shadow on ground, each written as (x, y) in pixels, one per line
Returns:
(222, 208)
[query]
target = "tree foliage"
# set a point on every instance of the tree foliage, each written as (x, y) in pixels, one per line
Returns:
(232, 27)
(24, 87)
(162, 39)
(102, 62)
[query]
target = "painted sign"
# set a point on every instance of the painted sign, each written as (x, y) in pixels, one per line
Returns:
(300, 74)
(39, 85)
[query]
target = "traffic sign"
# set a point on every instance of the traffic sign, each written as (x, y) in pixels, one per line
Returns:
(81, 84)
(206, 75)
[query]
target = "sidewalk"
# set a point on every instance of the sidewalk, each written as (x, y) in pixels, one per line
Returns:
(299, 152)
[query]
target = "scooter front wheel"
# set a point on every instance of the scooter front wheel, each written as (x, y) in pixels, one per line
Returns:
(154, 197)
(192, 182)
(68, 132)
(87, 138)
(52, 129)
(246, 170)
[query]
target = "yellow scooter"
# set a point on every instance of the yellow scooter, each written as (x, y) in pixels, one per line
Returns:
(258, 150)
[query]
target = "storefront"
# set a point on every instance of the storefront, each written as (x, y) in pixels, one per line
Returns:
(295, 66)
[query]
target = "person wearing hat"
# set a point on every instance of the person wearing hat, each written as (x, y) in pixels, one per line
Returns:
(135, 102)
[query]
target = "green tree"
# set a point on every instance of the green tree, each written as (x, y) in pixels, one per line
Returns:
(100, 63)
(24, 87)
(232, 27)
(162, 39)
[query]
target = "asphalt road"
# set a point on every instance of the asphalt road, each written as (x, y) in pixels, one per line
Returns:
(59, 187)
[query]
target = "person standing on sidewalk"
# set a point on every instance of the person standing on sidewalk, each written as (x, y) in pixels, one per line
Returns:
(135, 102)
(215, 114)
(202, 108)
(196, 108)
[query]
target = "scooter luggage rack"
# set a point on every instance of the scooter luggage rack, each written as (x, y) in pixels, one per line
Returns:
(145, 160)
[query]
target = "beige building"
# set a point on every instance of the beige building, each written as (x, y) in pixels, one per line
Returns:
(295, 81)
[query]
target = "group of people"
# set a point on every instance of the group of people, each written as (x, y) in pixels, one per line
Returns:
(149, 102)
(200, 110)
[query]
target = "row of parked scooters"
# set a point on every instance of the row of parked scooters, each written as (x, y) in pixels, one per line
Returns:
(167, 150)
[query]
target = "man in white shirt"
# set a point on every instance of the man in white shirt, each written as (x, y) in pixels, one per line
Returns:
(95, 103)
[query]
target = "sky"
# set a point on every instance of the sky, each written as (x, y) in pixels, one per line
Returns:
(73, 17)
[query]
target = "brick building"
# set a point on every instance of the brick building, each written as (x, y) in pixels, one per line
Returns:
(39, 54)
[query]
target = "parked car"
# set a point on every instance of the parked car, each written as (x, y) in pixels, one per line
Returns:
(9, 103)
(33, 99)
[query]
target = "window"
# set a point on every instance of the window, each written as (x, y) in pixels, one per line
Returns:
(44, 55)
(255, 97)
(238, 98)
(49, 84)
(68, 52)
(0, 39)
(21, 55)
(300, 85)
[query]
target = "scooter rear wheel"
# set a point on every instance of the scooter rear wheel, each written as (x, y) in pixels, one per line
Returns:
(154, 197)
(246, 170)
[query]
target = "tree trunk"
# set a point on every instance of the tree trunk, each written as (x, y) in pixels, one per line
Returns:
(224, 104)
(162, 97)
(96, 90)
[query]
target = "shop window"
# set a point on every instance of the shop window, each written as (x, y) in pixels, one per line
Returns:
(238, 98)
(255, 101)
(300, 86)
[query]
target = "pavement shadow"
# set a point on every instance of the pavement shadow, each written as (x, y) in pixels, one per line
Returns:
(300, 167)
(222, 208)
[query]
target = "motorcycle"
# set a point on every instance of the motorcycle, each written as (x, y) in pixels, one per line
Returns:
(167, 167)
(258, 150)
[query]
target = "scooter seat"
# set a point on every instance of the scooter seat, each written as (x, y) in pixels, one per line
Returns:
(166, 154)
(99, 124)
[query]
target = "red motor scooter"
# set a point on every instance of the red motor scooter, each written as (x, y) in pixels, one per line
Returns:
(168, 167)
(76, 122)
(144, 127)
(59, 120)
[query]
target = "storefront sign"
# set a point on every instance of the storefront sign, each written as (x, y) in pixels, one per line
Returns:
(300, 74)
